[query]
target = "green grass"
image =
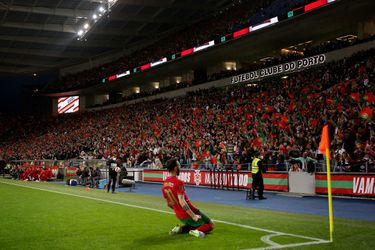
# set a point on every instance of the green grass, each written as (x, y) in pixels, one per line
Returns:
(36, 219)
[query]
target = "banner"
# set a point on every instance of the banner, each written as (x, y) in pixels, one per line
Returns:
(266, 23)
(204, 46)
(223, 179)
(279, 69)
(71, 171)
(161, 61)
(126, 73)
(347, 184)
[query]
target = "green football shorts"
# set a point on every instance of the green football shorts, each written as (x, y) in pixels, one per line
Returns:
(203, 220)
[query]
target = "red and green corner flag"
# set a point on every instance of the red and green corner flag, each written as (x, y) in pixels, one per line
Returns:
(324, 148)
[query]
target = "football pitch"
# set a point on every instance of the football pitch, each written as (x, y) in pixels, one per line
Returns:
(49, 216)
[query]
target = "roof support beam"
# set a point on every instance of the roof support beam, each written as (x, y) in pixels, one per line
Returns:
(61, 42)
(27, 62)
(76, 13)
(72, 29)
(87, 14)
(118, 16)
(40, 53)
(17, 70)
(44, 27)
(48, 11)
(166, 4)
(124, 33)
(31, 39)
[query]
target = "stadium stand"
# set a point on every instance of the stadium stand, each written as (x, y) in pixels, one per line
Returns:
(282, 118)
(233, 18)
(321, 48)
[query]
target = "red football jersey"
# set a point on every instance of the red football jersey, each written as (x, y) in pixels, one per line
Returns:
(172, 187)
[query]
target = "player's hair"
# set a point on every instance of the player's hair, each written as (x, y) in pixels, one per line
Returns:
(171, 164)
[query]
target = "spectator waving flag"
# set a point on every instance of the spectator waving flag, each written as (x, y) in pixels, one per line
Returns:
(366, 113)
(370, 97)
(355, 96)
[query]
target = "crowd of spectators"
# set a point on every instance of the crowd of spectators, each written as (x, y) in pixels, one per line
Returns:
(241, 13)
(281, 118)
(323, 47)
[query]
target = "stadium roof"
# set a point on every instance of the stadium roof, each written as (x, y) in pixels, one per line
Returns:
(38, 35)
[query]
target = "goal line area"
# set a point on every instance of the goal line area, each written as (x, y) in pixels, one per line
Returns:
(271, 239)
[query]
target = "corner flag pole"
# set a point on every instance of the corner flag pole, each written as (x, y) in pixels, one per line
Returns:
(324, 148)
(329, 195)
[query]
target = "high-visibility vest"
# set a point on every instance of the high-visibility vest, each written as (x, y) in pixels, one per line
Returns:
(254, 166)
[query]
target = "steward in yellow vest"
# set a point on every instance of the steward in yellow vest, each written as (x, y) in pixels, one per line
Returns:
(257, 169)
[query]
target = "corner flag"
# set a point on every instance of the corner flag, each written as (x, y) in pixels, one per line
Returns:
(324, 142)
(324, 148)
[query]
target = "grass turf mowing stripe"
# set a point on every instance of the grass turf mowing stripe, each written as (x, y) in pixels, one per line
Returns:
(274, 245)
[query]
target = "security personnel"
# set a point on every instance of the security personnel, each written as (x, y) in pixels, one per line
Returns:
(257, 169)
(112, 164)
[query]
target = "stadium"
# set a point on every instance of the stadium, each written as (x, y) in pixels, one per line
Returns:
(258, 111)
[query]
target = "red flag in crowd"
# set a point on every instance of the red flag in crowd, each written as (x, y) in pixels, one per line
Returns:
(285, 119)
(339, 107)
(355, 96)
(258, 141)
(314, 122)
(269, 109)
(329, 101)
(292, 106)
(366, 113)
(370, 97)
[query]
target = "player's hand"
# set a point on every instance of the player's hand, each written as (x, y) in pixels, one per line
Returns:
(196, 217)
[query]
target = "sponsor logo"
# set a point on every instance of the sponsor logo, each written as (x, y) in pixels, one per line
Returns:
(197, 177)
(364, 185)
(241, 180)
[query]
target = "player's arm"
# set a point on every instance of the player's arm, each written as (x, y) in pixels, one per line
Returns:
(186, 207)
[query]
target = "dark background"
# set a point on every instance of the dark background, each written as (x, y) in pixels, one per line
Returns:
(21, 94)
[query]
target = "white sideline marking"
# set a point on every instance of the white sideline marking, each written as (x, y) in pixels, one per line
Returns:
(291, 245)
(91, 198)
(266, 239)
